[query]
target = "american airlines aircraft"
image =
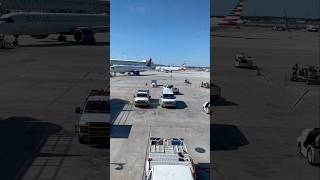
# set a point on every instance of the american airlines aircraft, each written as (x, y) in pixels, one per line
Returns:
(231, 20)
(40, 25)
(130, 68)
(171, 68)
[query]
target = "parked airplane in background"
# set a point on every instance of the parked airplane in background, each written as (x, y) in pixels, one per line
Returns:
(40, 25)
(312, 28)
(231, 20)
(171, 68)
(129, 68)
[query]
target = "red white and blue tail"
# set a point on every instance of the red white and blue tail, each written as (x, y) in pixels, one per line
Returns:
(234, 16)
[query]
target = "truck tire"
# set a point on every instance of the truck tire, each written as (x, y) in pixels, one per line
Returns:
(82, 140)
(299, 149)
(309, 156)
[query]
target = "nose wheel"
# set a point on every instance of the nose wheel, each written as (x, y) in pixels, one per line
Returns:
(15, 42)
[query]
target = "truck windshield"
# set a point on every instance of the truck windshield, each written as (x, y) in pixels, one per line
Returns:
(168, 96)
(97, 107)
(142, 95)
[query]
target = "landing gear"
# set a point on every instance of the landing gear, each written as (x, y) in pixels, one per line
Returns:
(15, 41)
(2, 42)
(136, 73)
(62, 38)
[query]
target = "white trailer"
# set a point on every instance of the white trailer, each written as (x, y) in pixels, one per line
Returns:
(168, 159)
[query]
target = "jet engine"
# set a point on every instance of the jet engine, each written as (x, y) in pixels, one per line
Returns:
(83, 36)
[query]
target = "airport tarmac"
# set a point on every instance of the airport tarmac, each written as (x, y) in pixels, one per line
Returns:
(42, 81)
(132, 126)
(254, 127)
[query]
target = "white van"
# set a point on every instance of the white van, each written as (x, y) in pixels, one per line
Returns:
(167, 98)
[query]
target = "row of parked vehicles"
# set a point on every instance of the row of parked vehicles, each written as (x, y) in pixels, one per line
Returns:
(142, 98)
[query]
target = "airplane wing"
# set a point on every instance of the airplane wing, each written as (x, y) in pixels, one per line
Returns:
(95, 28)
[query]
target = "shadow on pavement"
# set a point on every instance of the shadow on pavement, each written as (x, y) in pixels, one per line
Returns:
(223, 102)
(120, 131)
(21, 139)
(181, 105)
(116, 107)
(226, 137)
(203, 171)
(154, 103)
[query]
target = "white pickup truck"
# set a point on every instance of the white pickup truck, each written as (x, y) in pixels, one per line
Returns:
(94, 122)
(142, 98)
(168, 159)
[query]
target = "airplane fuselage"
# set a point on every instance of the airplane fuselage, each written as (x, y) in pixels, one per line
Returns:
(34, 23)
(128, 68)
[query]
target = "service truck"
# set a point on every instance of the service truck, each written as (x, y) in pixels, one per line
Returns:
(94, 123)
(167, 98)
(168, 159)
(142, 98)
(242, 60)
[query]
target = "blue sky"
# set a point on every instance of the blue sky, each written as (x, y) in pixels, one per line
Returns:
(169, 31)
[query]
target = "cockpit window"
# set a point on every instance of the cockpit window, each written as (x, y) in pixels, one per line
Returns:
(7, 20)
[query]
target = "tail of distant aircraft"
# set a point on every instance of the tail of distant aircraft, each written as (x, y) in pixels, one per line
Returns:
(234, 16)
(183, 67)
(149, 62)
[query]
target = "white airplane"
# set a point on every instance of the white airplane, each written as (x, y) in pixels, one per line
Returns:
(53, 6)
(129, 68)
(171, 68)
(231, 20)
(127, 62)
(40, 25)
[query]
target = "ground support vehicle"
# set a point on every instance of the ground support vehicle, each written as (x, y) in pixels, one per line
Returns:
(94, 123)
(168, 159)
